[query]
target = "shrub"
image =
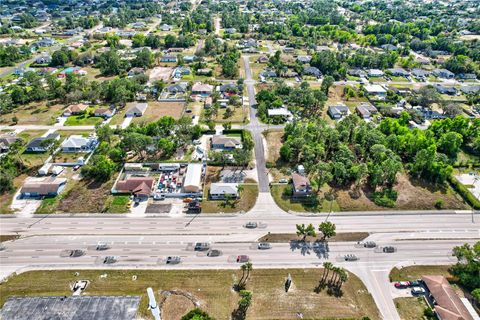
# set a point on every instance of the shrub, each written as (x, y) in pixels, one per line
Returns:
(385, 198)
(439, 204)
(464, 192)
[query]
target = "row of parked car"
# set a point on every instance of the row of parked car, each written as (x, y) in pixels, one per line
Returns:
(417, 286)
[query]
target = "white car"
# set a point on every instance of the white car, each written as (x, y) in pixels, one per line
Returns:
(418, 291)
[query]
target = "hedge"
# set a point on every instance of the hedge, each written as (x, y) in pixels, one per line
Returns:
(464, 192)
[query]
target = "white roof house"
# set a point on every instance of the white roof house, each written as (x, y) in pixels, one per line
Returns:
(77, 143)
(375, 89)
(220, 190)
(136, 109)
(282, 112)
(193, 178)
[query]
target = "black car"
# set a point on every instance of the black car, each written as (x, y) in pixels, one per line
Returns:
(202, 246)
(388, 249)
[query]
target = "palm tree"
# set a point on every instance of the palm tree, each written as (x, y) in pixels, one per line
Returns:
(343, 278)
(306, 231)
(248, 268)
(333, 279)
(327, 266)
(327, 228)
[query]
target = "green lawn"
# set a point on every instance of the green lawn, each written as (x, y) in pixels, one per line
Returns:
(314, 205)
(245, 202)
(117, 204)
(416, 272)
(410, 308)
(83, 120)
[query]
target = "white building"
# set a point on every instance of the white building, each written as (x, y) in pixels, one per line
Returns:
(193, 178)
(219, 191)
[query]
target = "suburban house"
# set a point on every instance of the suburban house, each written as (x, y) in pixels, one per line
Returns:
(388, 47)
(338, 111)
(365, 111)
(226, 143)
(420, 74)
(136, 109)
(228, 90)
(189, 58)
(193, 178)
(262, 59)
(165, 27)
(443, 73)
(288, 50)
(43, 59)
(39, 144)
(177, 50)
(168, 58)
(202, 89)
(230, 30)
(103, 112)
(375, 73)
(470, 89)
(467, 76)
(446, 303)
(312, 71)
(140, 187)
(281, 113)
(301, 186)
(445, 90)
(204, 72)
(49, 186)
(304, 59)
(376, 90)
(45, 42)
(179, 87)
(219, 191)
(398, 72)
(75, 109)
(136, 71)
(356, 73)
(77, 143)
(6, 141)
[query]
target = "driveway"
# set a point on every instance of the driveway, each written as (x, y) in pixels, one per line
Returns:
(24, 207)
(126, 122)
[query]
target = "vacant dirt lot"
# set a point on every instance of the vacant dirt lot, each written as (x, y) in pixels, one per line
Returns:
(412, 195)
(157, 109)
(274, 142)
(33, 114)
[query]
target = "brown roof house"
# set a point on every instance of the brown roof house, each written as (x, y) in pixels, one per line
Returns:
(447, 304)
(301, 186)
(103, 112)
(140, 187)
(49, 186)
(75, 109)
(6, 141)
(226, 143)
(202, 89)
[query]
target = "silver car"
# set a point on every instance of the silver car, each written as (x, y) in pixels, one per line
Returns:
(264, 246)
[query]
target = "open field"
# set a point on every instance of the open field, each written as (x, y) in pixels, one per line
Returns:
(157, 110)
(117, 203)
(410, 308)
(212, 288)
(33, 114)
(246, 201)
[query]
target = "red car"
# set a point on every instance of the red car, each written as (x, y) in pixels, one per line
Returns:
(402, 284)
(243, 258)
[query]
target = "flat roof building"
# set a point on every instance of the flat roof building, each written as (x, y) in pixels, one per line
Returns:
(71, 308)
(193, 178)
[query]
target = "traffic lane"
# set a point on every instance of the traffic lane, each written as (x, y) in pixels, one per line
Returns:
(279, 254)
(233, 224)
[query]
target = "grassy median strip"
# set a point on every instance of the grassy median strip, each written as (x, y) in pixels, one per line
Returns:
(212, 288)
(287, 237)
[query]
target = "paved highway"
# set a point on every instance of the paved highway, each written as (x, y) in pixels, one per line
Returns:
(150, 252)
